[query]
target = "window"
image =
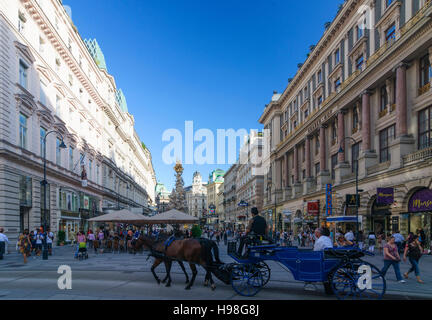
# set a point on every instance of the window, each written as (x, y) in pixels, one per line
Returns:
(337, 84)
(384, 99)
(334, 133)
(23, 130)
(337, 56)
(355, 151)
(317, 144)
(334, 160)
(306, 113)
(58, 106)
(359, 63)
(320, 101)
(319, 76)
(90, 169)
(317, 168)
(304, 174)
(23, 74)
(58, 154)
(359, 32)
(42, 97)
(425, 71)
(71, 159)
(355, 119)
(391, 33)
(21, 21)
(385, 137)
(42, 141)
(388, 3)
(41, 45)
(425, 128)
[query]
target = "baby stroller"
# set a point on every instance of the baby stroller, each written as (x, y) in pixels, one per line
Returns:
(82, 251)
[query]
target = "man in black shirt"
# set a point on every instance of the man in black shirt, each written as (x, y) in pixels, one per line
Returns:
(257, 226)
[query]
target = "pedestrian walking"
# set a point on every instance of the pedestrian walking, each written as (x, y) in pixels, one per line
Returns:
(399, 239)
(225, 237)
(392, 258)
(39, 241)
(24, 244)
(361, 239)
(371, 242)
(49, 239)
(91, 238)
(4, 242)
(413, 250)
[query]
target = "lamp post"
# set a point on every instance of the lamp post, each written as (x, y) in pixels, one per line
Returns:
(243, 203)
(44, 184)
(269, 182)
(341, 150)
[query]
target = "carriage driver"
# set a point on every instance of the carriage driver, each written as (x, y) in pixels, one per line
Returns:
(257, 226)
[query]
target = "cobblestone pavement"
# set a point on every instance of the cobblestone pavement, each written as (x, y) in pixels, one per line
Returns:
(128, 276)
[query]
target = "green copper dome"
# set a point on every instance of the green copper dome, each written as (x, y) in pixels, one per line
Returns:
(121, 100)
(96, 53)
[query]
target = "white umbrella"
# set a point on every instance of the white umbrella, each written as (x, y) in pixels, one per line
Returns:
(172, 216)
(119, 216)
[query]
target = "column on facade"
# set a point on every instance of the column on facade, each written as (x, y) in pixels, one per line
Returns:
(404, 143)
(430, 58)
(341, 136)
(322, 139)
(401, 100)
(286, 176)
(366, 127)
(308, 157)
(296, 164)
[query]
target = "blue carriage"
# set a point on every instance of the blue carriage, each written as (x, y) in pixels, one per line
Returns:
(341, 270)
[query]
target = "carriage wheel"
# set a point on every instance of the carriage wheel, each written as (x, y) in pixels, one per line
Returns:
(345, 282)
(246, 279)
(265, 271)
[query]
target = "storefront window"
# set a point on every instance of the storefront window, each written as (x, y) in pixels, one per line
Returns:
(25, 191)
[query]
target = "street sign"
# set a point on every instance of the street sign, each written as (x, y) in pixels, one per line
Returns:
(243, 204)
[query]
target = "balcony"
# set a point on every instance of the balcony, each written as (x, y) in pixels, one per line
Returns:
(424, 89)
(418, 156)
(383, 112)
(379, 167)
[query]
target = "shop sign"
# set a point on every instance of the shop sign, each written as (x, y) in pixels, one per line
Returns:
(385, 196)
(313, 208)
(421, 201)
(329, 206)
(352, 200)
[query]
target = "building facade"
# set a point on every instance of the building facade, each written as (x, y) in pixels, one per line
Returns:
(215, 196)
(196, 196)
(230, 197)
(162, 197)
(361, 100)
(250, 180)
(56, 88)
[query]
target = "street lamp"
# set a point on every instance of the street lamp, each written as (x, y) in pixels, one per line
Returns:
(269, 182)
(44, 184)
(341, 150)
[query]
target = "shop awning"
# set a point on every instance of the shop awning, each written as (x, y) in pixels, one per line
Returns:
(170, 217)
(342, 219)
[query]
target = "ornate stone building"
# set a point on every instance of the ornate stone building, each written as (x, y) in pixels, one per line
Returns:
(196, 196)
(54, 88)
(215, 189)
(362, 99)
(230, 197)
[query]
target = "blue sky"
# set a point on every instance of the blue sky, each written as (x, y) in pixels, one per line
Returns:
(214, 62)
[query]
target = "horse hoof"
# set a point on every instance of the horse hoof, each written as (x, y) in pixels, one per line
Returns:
(213, 287)
(158, 281)
(206, 284)
(163, 281)
(168, 285)
(187, 288)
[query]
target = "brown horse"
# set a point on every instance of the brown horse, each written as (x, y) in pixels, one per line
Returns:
(192, 251)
